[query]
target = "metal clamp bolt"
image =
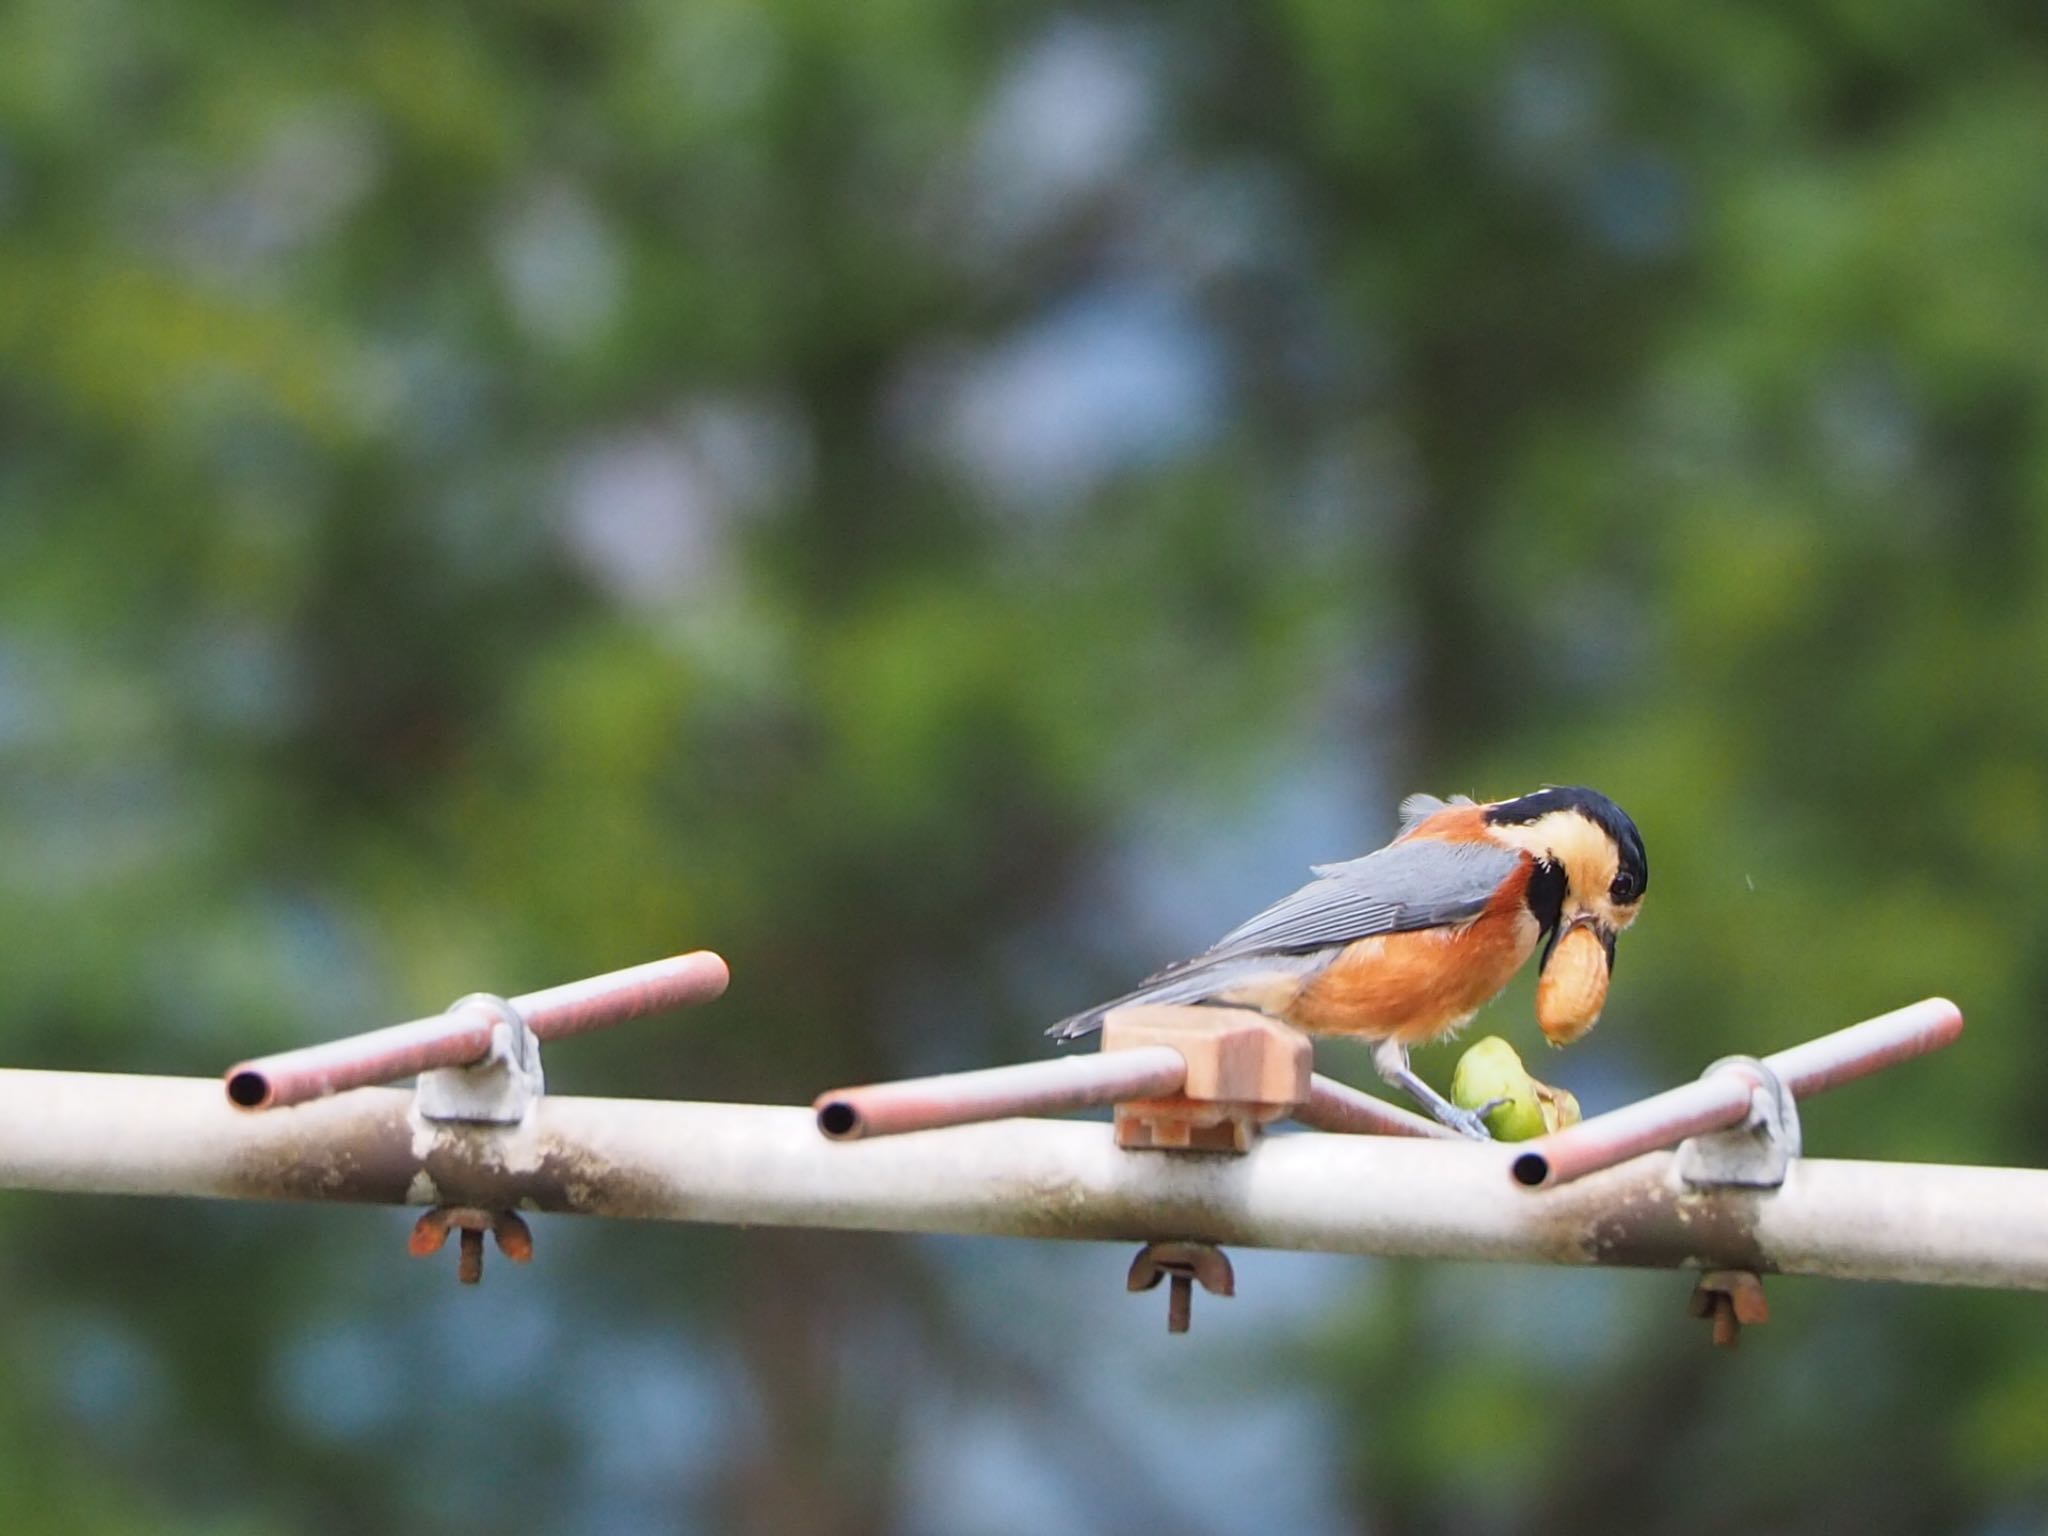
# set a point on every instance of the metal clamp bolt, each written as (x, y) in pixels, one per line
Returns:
(430, 1236)
(1758, 1152)
(1731, 1297)
(1182, 1263)
(499, 1089)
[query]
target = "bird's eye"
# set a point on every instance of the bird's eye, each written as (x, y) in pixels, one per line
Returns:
(1624, 889)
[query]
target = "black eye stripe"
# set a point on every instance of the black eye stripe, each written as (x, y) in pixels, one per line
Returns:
(1545, 896)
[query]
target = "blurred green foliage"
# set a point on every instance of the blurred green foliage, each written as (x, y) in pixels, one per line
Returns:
(952, 505)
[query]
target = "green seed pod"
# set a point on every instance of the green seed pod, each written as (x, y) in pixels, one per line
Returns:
(1491, 1070)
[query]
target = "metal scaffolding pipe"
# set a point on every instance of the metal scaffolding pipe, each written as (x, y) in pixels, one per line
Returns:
(1339, 1107)
(762, 1165)
(1082, 1082)
(462, 1034)
(1722, 1097)
(1861, 1049)
(1713, 1103)
(994, 1093)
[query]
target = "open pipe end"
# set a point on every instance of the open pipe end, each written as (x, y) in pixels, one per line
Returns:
(1531, 1169)
(249, 1089)
(839, 1120)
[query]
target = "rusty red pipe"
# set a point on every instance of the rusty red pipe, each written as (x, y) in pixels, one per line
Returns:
(998, 1093)
(681, 981)
(1716, 1101)
(463, 1034)
(1080, 1082)
(1722, 1098)
(1335, 1106)
(1864, 1048)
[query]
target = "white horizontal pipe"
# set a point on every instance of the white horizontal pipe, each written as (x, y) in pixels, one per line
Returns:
(757, 1164)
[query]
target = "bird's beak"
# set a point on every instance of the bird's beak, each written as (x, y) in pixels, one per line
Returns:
(1575, 971)
(1583, 920)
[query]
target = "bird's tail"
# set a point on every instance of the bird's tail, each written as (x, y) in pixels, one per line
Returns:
(1188, 982)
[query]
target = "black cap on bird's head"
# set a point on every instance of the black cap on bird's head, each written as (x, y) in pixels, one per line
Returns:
(1632, 863)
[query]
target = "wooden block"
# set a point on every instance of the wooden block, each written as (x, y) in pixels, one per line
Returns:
(1233, 1054)
(1182, 1125)
(1244, 1070)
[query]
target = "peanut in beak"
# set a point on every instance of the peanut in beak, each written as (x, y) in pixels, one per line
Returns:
(1573, 988)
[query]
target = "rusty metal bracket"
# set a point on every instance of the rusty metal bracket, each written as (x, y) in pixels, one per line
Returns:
(430, 1236)
(1181, 1263)
(1731, 1297)
(497, 1090)
(1756, 1152)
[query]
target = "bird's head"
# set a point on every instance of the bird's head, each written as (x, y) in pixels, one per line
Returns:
(1591, 870)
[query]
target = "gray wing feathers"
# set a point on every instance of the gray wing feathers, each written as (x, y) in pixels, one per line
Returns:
(1402, 887)
(1195, 981)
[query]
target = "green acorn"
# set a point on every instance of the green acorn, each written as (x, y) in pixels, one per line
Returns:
(1491, 1070)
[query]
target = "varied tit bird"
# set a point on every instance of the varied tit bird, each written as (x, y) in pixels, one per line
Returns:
(1404, 945)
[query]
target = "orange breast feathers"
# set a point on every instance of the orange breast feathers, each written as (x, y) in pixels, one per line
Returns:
(1417, 986)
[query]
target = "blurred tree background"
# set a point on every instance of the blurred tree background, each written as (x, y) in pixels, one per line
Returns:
(953, 505)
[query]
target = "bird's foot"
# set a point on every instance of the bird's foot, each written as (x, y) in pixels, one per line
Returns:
(1390, 1059)
(1469, 1122)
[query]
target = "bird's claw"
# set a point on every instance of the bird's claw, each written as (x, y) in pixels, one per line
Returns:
(1470, 1123)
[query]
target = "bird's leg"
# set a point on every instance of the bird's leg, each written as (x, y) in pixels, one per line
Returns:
(1390, 1060)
